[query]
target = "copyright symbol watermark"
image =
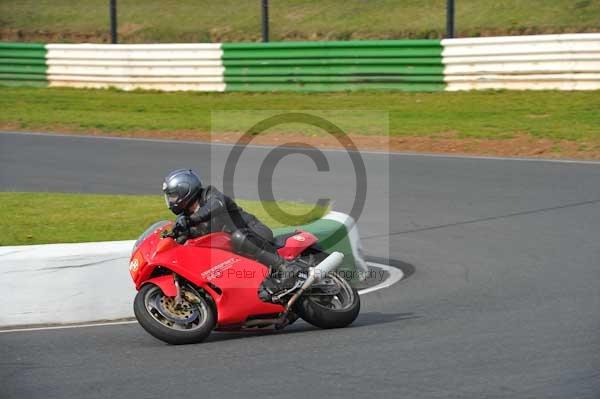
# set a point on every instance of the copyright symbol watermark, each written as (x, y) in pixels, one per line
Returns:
(275, 155)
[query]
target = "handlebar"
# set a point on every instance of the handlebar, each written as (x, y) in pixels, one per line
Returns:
(167, 234)
(182, 235)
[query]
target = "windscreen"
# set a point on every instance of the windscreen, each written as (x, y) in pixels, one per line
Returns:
(147, 232)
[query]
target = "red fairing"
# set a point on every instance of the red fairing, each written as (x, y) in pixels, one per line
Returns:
(215, 240)
(166, 284)
(230, 279)
(297, 244)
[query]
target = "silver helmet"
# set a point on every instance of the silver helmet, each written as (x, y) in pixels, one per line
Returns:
(181, 187)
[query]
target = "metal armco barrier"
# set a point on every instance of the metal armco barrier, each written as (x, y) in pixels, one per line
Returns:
(409, 65)
(23, 64)
(165, 67)
(553, 62)
(544, 62)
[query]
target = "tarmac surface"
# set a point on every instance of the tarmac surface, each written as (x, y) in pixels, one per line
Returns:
(503, 302)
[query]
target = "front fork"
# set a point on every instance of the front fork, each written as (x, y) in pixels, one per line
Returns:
(178, 299)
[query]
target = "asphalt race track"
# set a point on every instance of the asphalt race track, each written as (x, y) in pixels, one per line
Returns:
(504, 301)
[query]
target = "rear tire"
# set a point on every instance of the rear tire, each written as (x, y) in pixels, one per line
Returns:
(152, 311)
(320, 315)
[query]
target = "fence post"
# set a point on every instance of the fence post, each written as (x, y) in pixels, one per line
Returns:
(265, 20)
(450, 18)
(113, 21)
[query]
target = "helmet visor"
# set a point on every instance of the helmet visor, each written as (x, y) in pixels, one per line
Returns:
(171, 199)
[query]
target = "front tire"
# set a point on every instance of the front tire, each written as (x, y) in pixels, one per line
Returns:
(337, 311)
(160, 317)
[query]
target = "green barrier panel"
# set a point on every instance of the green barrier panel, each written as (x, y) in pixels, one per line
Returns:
(407, 65)
(335, 70)
(22, 46)
(337, 79)
(331, 87)
(333, 236)
(23, 64)
(20, 61)
(23, 83)
(431, 61)
(23, 76)
(32, 55)
(24, 69)
(331, 53)
(335, 44)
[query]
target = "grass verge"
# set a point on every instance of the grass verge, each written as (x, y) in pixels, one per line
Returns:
(43, 218)
(488, 114)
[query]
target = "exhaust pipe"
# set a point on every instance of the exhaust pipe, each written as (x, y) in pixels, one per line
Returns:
(328, 265)
(317, 273)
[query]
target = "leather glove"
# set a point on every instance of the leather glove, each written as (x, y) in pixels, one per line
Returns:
(181, 239)
(181, 224)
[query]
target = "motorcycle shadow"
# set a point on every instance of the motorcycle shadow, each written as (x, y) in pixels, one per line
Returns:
(364, 320)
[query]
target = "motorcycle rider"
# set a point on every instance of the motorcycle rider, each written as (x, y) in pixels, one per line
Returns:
(202, 210)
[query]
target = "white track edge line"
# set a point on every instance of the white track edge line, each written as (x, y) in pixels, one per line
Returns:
(395, 275)
(109, 323)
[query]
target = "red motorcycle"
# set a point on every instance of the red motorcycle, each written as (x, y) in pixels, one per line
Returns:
(185, 291)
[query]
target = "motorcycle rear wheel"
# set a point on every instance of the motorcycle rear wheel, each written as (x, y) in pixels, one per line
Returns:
(337, 311)
(177, 325)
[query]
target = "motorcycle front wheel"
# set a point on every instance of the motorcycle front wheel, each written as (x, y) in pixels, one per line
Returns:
(176, 324)
(333, 311)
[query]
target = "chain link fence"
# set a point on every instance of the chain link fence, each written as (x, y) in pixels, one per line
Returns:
(204, 21)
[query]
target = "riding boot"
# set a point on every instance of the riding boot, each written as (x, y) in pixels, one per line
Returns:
(283, 277)
(283, 274)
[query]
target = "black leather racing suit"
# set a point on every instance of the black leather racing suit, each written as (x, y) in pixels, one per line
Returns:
(218, 212)
(249, 237)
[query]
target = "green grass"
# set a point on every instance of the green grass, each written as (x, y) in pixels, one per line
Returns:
(230, 20)
(489, 114)
(42, 218)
